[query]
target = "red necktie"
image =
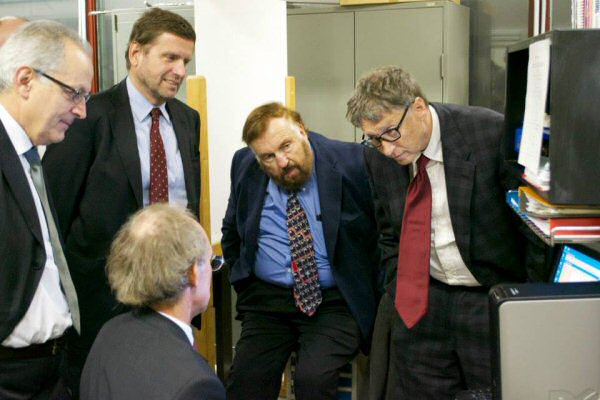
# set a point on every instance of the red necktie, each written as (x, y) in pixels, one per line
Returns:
(412, 280)
(159, 180)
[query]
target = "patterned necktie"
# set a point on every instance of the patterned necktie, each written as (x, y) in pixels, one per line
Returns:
(307, 290)
(35, 167)
(159, 179)
(412, 280)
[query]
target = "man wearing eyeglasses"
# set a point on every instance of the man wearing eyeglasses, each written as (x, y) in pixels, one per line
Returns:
(138, 146)
(446, 236)
(38, 301)
(159, 264)
(300, 237)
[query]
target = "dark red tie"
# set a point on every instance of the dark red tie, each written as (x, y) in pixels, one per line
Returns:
(159, 179)
(412, 280)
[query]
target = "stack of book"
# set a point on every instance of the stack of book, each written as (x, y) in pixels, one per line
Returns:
(555, 223)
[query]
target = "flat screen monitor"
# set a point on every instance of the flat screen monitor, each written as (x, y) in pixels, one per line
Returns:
(577, 264)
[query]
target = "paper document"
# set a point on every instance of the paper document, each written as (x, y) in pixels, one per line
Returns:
(538, 71)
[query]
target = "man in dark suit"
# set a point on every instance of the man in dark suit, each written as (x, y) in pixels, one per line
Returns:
(138, 145)
(159, 264)
(45, 77)
(309, 286)
(451, 221)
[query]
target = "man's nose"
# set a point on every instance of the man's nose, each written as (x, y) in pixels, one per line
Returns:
(281, 159)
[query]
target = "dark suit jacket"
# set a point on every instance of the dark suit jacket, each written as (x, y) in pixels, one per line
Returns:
(347, 215)
(95, 178)
(484, 227)
(22, 254)
(143, 355)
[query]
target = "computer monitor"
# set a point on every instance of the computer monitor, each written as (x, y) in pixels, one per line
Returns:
(577, 263)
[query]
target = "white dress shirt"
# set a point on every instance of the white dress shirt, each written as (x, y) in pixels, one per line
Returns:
(48, 314)
(446, 263)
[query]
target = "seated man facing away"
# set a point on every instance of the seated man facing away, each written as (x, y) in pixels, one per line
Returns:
(159, 264)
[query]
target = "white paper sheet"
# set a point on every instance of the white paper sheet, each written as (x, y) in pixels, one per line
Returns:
(535, 103)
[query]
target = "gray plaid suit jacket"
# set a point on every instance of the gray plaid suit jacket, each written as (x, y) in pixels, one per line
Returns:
(484, 227)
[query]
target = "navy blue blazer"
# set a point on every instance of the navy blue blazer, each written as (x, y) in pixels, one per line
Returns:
(347, 215)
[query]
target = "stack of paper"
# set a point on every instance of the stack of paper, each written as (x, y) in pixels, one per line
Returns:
(535, 205)
(556, 229)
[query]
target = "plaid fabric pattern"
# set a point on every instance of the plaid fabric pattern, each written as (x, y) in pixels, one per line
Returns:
(307, 290)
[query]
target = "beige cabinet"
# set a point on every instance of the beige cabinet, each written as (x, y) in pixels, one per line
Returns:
(329, 48)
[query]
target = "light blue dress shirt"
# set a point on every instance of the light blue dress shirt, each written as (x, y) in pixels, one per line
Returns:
(142, 121)
(273, 258)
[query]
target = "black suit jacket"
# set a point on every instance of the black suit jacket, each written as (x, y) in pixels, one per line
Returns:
(347, 216)
(144, 355)
(95, 178)
(484, 227)
(22, 254)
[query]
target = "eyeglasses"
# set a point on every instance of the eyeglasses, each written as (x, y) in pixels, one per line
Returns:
(76, 95)
(390, 135)
(216, 263)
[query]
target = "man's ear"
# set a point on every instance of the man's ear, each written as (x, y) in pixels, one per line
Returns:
(135, 49)
(23, 77)
(193, 275)
(420, 107)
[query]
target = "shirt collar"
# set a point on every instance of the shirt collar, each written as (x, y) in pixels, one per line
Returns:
(16, 133)
(185, 327)
(433, 151)
(140, 106)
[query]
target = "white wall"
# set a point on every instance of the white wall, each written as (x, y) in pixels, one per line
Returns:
(241, 49)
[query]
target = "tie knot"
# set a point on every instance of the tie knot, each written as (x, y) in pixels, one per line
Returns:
(32, 156)
(422, 163)
(155, 113)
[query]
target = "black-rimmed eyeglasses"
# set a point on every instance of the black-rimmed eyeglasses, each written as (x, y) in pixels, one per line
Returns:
(216, 263)
(76, 95)
(390, 135)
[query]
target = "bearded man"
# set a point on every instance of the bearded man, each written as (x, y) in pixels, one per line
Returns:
(301, 240)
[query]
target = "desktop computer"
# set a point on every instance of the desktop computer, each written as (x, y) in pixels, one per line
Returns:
(546, 340)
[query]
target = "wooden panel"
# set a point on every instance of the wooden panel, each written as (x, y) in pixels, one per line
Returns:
(196, 98)
(290, 92)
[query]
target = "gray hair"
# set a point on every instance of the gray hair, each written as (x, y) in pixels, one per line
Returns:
(152, 254)
(379, 91)
(38, 44)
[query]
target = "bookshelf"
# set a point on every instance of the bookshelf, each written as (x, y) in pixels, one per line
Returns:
(552, 235)
(574, 87)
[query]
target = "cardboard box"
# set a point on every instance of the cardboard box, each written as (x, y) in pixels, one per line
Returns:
(362, 2)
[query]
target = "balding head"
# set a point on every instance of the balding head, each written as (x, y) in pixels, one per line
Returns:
(8, 25)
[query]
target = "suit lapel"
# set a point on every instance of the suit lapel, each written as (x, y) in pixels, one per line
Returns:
(254, 191)
(123, 131)
(460, 172)
(180, 127)
(329, 182)
(17, 181)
